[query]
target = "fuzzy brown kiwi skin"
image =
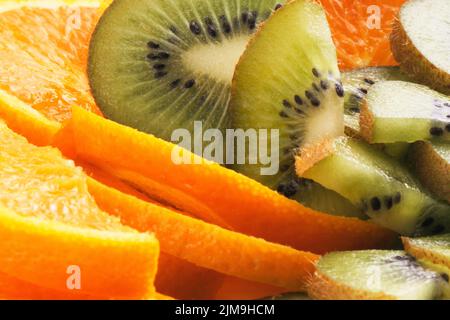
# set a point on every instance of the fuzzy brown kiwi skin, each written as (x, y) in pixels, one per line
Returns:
(435, 178)
(424, 254)
(322, 287)
(307, 157)
(413, 63)
(366, 123)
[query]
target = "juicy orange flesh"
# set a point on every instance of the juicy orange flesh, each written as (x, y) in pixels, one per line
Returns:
(43, 57)
(361, 31)
(39, 182)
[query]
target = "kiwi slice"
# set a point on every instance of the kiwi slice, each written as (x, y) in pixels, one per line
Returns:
(288, 80)
(433, 253)
(160, 65)
(356, 84)
(431, 163)
(376, 183)
(397, 111)
(373, 275)
(420, 42)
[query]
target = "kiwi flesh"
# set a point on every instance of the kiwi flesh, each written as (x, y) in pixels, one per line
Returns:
(376, 183)
(357, 84)
(160, 65)
(433, 253)
(398, 111)
(288, 80)
(373, 275)
(420, 42)
(431, 163)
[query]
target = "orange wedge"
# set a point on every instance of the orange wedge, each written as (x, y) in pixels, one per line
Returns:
(50, 224)
(239, 202)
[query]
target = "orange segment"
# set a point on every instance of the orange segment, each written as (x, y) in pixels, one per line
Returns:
(49, 222)
(52, 42)
(361, 31)
(208, 245)
(244, 204)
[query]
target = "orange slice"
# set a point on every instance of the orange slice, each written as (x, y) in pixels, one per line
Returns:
(240, 202)
(50, 225)
(51, 39)
(361, 31)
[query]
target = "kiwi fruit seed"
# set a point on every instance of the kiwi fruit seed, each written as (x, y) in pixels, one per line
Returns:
(376, 183)
(398, 111)
(431, 163)
(420, 42)
(161, 65)
(288, 80)
(373, 275)
(433, 253)
(357, 84)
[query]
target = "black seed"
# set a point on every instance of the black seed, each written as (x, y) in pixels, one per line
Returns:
(173, 29)
(448, 116)
(298, 100)
(445, 277)
(283, 114)
(287, 104)
(163, 55)
(324, 84)
(375, 203)
(226, 27)
(447, 127)
(397, 198)
(195, 28)
(159, 66)
(278, 6)
(355, 110)
(437, 132)
(402, 258)
(316, 73)
(298, 111)
(189, 84)
(244, 17)
(340, 90)
(438, 229)
(252, 20)
(175, 83)
(363, 90)
(428, 222)
(447, 104)
(369, 81)
(388, 202)
(153, 45)
(312, 98)
(160, 74)
(210, 27)
(316, 87)
(153, 56)
(437, 105)
(291, 188)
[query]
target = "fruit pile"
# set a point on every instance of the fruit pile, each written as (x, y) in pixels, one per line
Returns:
(92, 205)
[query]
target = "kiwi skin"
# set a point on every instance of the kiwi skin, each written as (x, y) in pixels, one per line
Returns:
(413, 63)
(436, 177)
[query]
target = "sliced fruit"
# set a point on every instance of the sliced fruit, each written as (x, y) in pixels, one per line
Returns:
(420, 42)
(398, 150)
(392, 108)
(246, 206)
(356, 84)
(431, 163)
(295, 100)
(361, 31)
(43, 54)
(208, 245)
(434, 253)
(376, 183)
(373, 275)
(49, 222)
(176, 72)
(313, 195)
